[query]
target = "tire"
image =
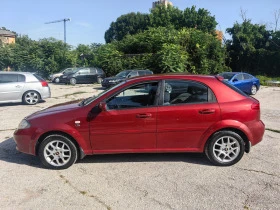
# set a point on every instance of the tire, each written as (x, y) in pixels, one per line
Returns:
(56, 80)
(225, 148)
(57, 152)
(31, 97)
(73, 81)
(99, 80)
(254, 89)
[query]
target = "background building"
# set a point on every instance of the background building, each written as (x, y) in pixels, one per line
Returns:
(7, 37)
(162, 2)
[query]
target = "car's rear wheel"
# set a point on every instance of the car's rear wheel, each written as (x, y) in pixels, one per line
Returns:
(225, 148)
(31, 97)
(254, 89)
(56, 80)
(73, 81)
(57, 152)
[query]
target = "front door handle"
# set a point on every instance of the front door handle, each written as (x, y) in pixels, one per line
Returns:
(144, 115)
(206, 111)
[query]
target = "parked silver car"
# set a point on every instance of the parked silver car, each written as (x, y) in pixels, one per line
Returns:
(55, 77)
(24, 87)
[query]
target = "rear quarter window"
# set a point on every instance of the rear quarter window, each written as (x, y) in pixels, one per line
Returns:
(234, 88)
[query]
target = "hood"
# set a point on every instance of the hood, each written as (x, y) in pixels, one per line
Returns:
(57, 108)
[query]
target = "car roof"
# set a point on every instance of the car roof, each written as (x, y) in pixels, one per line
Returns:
(16, 72)
(173, 76)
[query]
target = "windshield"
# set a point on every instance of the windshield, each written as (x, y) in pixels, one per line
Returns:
(123, 74)
(91, 99)
(227, 75)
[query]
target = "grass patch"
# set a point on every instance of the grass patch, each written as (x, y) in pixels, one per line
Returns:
(83, 192)
(273, 130)
(264, 80)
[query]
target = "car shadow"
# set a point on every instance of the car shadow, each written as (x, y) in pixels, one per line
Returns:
(20, 104)
(8, 153)
(193, 158)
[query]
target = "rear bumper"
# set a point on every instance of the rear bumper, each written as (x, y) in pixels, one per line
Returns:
(45, 92)
(257, 129)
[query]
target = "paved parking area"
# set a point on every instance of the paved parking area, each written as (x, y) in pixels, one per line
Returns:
(140, 181)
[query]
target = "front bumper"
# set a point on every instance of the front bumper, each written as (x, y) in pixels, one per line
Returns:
(26, 140)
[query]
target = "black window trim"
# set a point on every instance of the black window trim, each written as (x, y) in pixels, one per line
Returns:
(209, 90)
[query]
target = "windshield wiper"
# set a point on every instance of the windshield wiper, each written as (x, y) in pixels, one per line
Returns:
(83, 102)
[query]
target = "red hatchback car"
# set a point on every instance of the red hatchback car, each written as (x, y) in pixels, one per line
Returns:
(151, 114)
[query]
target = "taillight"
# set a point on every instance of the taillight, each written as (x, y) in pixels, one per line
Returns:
(44, 83)
(255, 106)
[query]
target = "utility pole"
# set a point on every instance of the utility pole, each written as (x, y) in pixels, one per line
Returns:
(64, 20)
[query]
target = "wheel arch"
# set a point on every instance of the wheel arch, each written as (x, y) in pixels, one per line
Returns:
(80, 151)
(236, 130)
(40, 97)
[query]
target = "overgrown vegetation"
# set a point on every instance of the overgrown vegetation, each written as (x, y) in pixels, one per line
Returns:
(165, 40)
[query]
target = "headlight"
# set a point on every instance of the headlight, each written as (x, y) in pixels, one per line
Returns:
(114, 80)
(24, 124)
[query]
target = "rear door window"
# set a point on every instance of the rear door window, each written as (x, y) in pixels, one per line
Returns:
(21, 78)
(239, 77)
(84, 71)
(184, 92)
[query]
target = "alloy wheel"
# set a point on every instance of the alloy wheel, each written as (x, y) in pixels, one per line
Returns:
(226, 149)
(57, 153)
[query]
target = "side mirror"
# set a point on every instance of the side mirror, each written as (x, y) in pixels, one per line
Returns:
(128, 76)
(235, 80)
(103, 106)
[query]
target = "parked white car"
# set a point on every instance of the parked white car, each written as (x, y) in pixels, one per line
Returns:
(55, 77)
(24, 87)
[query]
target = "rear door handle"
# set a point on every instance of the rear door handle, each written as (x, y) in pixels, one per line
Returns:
(144, 115)
(206, 111)
(18, 86)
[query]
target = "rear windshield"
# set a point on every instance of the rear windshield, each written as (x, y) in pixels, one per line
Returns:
(38, 77)
(234, 88)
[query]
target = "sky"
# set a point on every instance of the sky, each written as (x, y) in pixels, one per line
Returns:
(91, 18)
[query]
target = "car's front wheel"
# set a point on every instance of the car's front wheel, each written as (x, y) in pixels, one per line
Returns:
(57, 152)
(31, 97)
(56, 80)
(254, 89)
(225, 148)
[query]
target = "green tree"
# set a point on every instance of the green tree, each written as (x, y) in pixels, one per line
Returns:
(130, 23)
(253, 49)
(161, 16)
(166, 17)
(200, 19)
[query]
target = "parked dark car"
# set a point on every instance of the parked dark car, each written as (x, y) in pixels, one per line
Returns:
(156, 113)
(245, 82)
(83, 75)
(110, 81)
